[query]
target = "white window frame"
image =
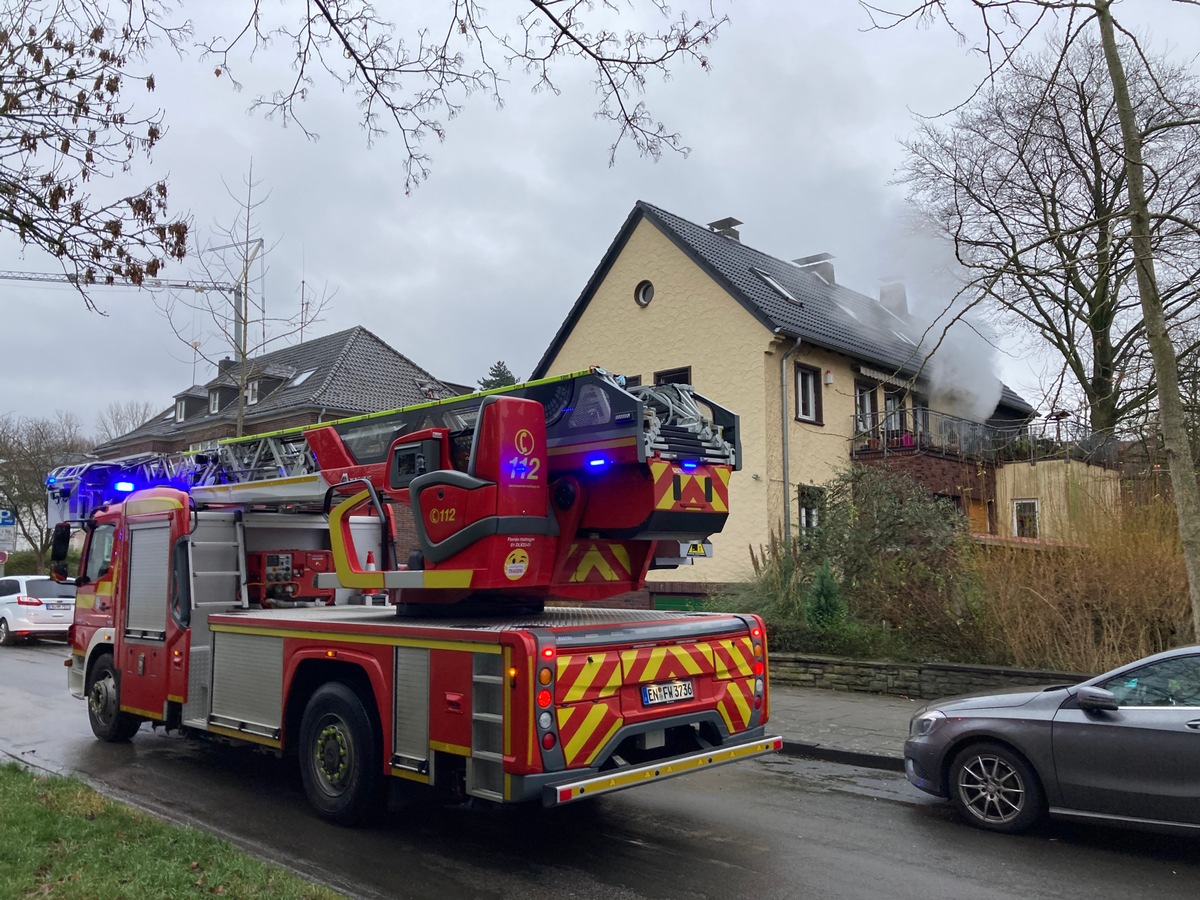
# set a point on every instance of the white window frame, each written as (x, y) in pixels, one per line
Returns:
(252, 392)
(808, 384)
(179, 410)
(1037, 523)
(214, 402)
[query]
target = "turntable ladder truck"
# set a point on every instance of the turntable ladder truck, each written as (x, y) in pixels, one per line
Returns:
(418, 594)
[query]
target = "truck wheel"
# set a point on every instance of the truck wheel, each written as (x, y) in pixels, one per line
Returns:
(7, 638)
(104, 704)
(340, 757)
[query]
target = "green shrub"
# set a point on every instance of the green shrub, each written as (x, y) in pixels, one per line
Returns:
(824, 608)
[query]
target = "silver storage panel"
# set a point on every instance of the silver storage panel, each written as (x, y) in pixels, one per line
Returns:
(149, 571)
(247, 678)
(410, 737)
(485, 768)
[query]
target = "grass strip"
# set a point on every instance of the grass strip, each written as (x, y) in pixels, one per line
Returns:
(63, 839)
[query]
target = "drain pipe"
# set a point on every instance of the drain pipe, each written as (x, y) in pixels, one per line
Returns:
(784, 422)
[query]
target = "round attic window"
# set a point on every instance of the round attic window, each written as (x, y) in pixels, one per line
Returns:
(643, 293)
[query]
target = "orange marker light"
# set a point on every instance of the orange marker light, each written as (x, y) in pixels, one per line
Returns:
(544, 676)
(330, 654)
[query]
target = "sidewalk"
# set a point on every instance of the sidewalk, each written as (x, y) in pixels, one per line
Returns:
(842, 726)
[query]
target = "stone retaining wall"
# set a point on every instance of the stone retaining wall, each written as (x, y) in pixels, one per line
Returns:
(925, 681)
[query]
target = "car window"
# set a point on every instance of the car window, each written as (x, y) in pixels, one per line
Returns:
(46, 589)
(1168, 682)
(99, 551)
(8, 586)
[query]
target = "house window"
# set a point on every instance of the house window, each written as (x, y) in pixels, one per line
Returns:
(895, 420)
(214, 402)
(301, 378)
(643, 293)
(252, 392)
(674, 376)
(866, 409)
(178, 410)
(633, 380)
(1025, 518)
(808, 394)
(811, 500)
(202, 446)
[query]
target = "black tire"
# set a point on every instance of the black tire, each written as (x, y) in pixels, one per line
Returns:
(994, 788)
(7, 638)
(341, 757)
(104, 704)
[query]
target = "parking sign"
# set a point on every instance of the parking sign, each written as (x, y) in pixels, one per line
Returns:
(8, 530)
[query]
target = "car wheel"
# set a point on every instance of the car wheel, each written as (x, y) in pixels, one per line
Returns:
(340, 757)
(104, 704)
(7, 638)
(993, 787)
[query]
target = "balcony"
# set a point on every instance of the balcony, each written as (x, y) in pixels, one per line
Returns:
(911, 431)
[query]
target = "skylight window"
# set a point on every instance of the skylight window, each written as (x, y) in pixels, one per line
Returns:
(301, 378)
(777, 287)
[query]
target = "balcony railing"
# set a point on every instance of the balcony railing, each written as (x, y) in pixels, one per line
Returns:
(910, 430)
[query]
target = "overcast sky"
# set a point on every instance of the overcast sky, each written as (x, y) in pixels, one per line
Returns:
(794, 131)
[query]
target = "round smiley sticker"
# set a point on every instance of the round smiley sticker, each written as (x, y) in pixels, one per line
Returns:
(516, 564)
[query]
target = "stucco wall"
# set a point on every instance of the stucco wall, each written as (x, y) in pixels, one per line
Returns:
(816, 452)
(690, 322)
(1070, 495)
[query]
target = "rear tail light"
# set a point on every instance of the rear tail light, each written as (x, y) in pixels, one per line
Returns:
(28, 601)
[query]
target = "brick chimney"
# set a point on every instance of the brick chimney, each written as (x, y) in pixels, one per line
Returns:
(727, 228)
(819, 264)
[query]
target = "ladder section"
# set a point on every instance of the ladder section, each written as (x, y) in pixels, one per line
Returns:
(485, 768)
(216, 582)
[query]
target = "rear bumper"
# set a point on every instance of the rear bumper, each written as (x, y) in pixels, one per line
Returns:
(566, 787)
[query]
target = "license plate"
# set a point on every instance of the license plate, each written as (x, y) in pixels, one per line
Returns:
(667, 692)
(58, 606)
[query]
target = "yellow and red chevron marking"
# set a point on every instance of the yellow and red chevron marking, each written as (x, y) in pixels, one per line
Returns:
(704, 490)
(588, 676)
(667, 663)
(737, 705)
(598, 561)
(734, 657)
(585, 728)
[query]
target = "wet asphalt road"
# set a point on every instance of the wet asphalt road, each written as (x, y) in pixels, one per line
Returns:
(777, 828)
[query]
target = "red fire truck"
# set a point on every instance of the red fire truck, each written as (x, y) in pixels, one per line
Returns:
(371, 595)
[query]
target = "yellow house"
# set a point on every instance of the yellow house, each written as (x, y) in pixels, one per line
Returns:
(819, 375)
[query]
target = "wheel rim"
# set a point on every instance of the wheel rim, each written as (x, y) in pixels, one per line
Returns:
(991, 789)
(333, 756)
(3, 631)
(102, 698)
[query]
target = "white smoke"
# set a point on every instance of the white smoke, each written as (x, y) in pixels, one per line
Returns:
(962, 370)
(962, 374)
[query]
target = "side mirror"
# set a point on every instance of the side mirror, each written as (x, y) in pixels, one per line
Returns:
(60, 543)
(1096, 699)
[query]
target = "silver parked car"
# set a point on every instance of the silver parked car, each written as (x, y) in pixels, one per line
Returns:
(33, 606)
(1123, 747)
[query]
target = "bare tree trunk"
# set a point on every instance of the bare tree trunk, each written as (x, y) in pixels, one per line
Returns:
(1166, 367)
